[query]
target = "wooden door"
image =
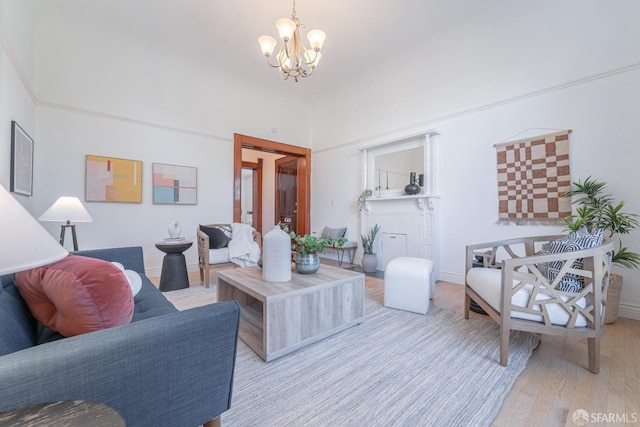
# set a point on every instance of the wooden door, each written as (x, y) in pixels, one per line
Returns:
(286, 192)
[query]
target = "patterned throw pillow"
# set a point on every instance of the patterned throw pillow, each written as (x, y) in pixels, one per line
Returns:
(575, 241)
(333, 233)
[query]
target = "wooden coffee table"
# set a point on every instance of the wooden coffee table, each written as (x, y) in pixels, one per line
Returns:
(278, 318)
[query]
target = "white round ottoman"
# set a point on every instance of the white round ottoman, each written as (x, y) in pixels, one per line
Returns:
(408, 284)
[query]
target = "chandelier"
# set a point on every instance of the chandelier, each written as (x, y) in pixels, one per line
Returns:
(293, 58)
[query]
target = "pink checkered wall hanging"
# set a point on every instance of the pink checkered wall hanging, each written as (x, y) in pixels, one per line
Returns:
(533, 176)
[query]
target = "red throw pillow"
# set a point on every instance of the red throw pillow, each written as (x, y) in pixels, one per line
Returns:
(77, 295)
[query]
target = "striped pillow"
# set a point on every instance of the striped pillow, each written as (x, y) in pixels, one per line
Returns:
(333, 233)
(575, 241)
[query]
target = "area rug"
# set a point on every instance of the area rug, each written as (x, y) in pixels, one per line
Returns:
(394, 369)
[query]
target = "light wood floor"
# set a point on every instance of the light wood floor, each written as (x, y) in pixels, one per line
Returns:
(556, 382)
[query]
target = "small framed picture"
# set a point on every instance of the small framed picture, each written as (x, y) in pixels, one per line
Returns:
(21, 161)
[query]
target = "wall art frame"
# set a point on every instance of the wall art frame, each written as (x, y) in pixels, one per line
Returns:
(174, 184)
(113, 180)
(21, 181)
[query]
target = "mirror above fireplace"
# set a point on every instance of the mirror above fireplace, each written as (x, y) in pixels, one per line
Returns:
(387, 166)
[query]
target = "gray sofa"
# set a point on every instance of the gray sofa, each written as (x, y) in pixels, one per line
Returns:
(165, 368)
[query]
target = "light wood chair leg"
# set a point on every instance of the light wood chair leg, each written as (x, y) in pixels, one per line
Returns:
(213, 423)
(467, 303)
(593, 346)
(201, 276)
(206, 277)
(504, 345)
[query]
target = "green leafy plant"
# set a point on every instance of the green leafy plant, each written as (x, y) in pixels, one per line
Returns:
(367, 240)
(309, 244)
(363, 197)
(598, 210)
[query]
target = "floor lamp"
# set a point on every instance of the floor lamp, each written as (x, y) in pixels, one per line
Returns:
(30, 244)
(67, 210)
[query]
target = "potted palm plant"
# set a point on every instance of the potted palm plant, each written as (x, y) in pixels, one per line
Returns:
(598, 210)
(369, 259)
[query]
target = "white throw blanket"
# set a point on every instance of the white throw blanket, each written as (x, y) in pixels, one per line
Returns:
(243, 250)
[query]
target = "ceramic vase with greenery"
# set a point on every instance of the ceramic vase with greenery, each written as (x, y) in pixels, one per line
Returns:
(595, 210)
(369, 259)
(307, 248)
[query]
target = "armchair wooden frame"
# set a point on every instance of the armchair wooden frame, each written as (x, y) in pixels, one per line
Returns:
(203, 250)
(521, 271)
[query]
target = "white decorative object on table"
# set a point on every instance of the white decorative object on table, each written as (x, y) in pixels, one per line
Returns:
(174, 229)
(276, 260)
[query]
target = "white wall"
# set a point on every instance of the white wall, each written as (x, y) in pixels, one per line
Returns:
(602, 144)
(16, 102)
(81, 89)
(480, 84)
(91, 66)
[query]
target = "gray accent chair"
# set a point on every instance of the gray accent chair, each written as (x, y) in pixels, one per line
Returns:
(165, 368)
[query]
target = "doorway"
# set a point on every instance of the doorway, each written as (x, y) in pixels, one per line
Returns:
(302, 158)
(251, 204)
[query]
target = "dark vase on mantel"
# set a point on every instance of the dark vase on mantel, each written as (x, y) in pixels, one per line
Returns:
(412, 187)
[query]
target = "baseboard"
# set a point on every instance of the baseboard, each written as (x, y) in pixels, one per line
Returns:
(156, 272)
(629, 311)
(451, 277)
(153, 272)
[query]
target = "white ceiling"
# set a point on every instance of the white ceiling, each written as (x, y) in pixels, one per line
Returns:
(359, 32)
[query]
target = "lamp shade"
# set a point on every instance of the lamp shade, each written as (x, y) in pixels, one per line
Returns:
(28, 244)
(66, 209)
(285, 27)
(267, 44)
(316, 38)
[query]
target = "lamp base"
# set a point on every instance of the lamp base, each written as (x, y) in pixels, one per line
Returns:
(63, 230)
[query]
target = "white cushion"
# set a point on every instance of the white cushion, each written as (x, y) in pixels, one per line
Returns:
(134, 279)
(218, 256)
(486, 283)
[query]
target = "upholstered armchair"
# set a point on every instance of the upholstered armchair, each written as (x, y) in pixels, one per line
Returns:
(510, 280)
(213, 249)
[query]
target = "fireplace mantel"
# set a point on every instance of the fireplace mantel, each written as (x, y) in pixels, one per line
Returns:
(408, 223)
(424, 201)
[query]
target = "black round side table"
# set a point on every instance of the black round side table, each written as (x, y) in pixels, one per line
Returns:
(174, 267)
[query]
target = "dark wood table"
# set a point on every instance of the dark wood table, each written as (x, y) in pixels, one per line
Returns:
(63, 413)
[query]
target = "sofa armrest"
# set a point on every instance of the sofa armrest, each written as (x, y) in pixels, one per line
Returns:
(172, 370)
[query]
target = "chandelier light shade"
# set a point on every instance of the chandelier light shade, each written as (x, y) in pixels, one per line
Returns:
(29, 245)
(67, 210)
(293, 59)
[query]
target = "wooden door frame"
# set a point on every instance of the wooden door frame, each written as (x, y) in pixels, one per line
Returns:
(304, 174)
(257, 193)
